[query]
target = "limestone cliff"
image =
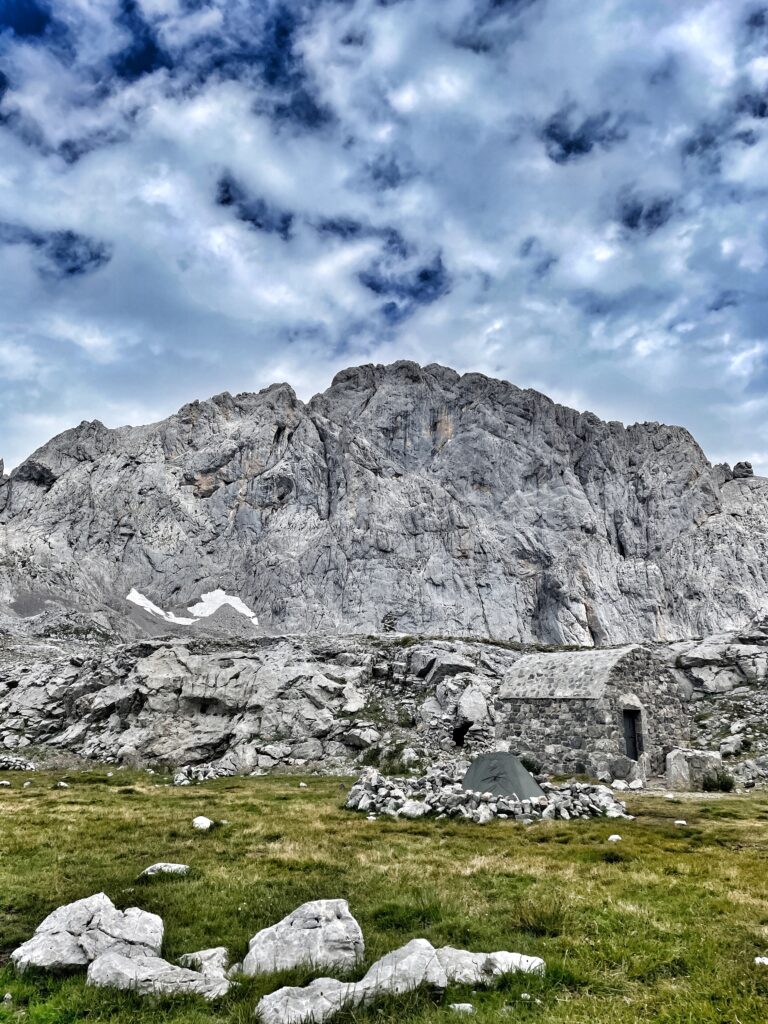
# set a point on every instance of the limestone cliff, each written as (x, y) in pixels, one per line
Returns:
(402, 497)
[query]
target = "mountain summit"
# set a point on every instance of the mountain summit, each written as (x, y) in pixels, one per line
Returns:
(403, 497)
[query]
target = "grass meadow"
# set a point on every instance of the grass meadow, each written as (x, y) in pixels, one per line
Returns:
(662, 927)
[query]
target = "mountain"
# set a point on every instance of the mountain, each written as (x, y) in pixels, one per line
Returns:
(402, 498)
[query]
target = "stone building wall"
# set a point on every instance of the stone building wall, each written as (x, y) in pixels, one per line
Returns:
(574, 722)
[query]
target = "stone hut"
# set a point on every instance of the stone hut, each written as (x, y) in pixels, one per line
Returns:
(613, 712)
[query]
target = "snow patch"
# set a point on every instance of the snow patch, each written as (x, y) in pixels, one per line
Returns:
(211, 602)
(207, 605)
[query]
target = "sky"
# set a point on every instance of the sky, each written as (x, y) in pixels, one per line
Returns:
(209, 195)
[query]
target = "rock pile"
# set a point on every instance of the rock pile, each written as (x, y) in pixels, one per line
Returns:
(11, 763)
(190, 773)
(440, 793)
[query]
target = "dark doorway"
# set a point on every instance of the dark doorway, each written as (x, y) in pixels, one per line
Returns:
(633, 740)
(459, 733)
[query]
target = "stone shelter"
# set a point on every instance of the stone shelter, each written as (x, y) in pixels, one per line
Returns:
(607, 712)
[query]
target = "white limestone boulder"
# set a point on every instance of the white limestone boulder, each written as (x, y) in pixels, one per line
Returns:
(150, 975)
(213, 963)
(464, 968)
(413, 965)
(401, 971)
(315, 1002)
(164, 868)
(79, 932)
(201, 823)
(321, 933)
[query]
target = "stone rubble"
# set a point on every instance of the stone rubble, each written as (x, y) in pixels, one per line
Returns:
(440, 793)
(191, 773)
(11, 763)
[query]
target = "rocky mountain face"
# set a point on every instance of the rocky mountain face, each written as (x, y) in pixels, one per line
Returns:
(402, 497)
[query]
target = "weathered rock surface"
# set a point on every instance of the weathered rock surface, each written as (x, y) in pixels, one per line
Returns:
(687, 769)
(329, 702)
(403, 970)
(213, 962)
(79, 932)
(405, 497)
(321, 933)
(150, 975)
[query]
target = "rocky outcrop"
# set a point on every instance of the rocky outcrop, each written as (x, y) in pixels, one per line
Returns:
(80, 932)
(402, 497)
(331, 702)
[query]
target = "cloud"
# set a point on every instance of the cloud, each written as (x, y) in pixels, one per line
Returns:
(199, 196)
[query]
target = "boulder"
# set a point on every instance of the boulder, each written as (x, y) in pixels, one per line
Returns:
(150, 975)
(80, 932)
(464, 968)
(732, 746)
(742, 470)
(164, 868)
(413, 965)
(201, 823)
(321, 933)
(414, 809)
(687, 769)
(213, 963)
(315, 1002)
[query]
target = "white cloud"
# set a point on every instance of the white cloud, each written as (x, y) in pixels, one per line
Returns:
(437, 144)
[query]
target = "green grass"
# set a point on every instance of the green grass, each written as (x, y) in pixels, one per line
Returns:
(662, 927)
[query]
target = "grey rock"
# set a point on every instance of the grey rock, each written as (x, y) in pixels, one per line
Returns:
(313, 1003)
(732, 746)
(464, 968)
(742, 470)
(442, 503)
(403, 970)
(686, 769)
(79, 932)
(164, 868)
(321, 933)
(213, 963)
(150, 975)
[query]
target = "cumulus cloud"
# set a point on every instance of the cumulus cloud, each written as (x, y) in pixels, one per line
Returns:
(209, 195)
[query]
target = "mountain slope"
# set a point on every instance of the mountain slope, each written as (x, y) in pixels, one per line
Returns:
(402, 496)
